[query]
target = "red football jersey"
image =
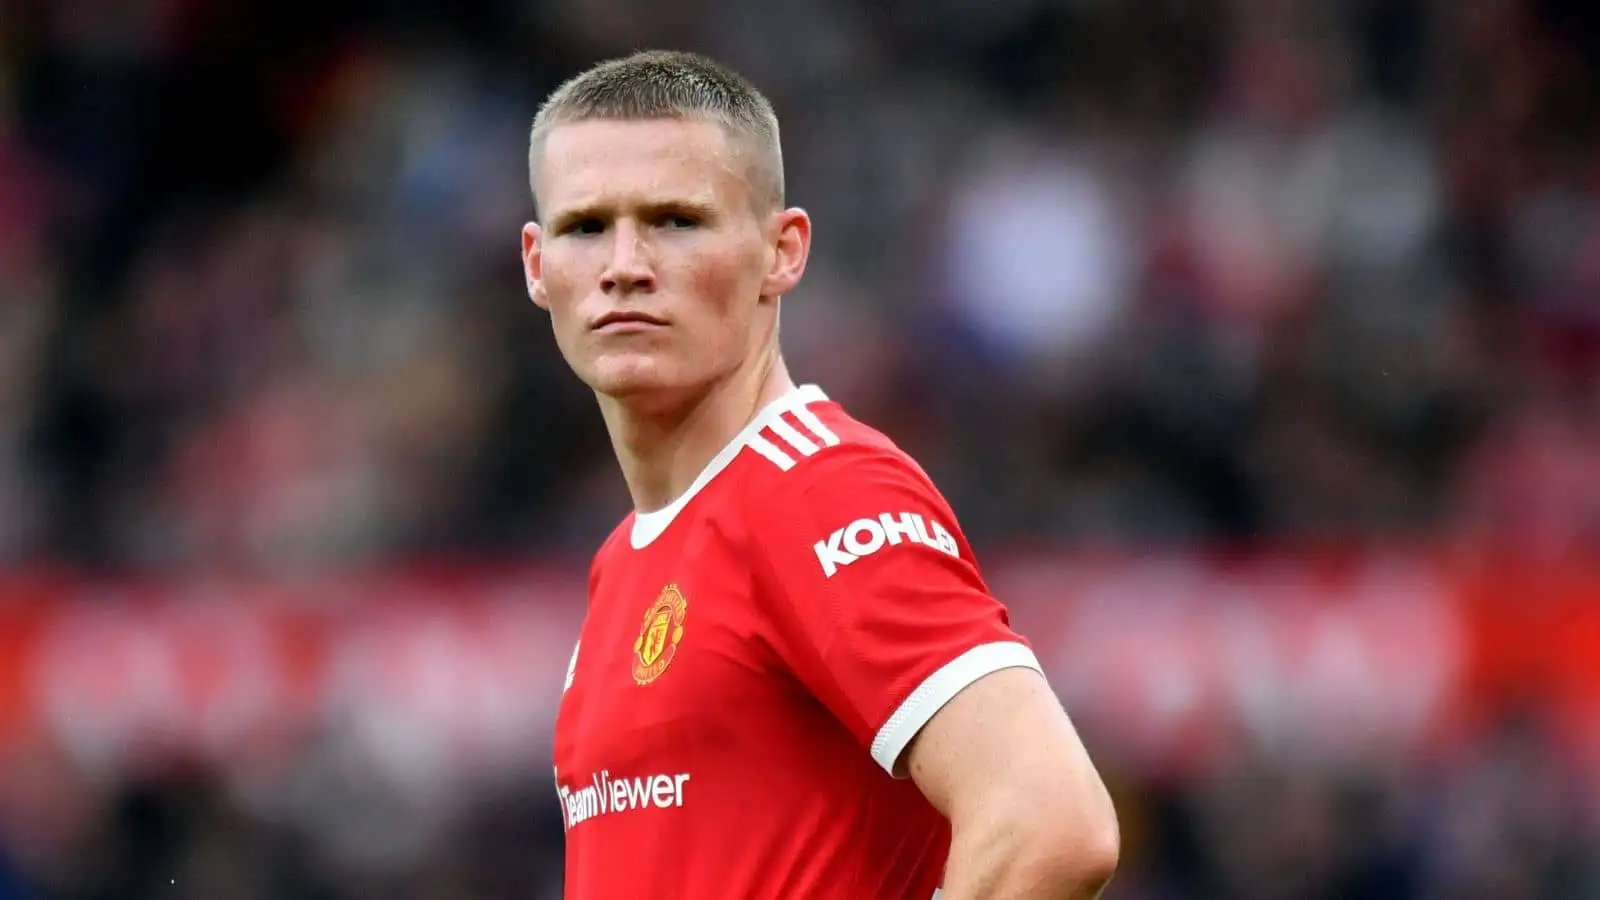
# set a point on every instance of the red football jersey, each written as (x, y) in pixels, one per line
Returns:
(754, 660)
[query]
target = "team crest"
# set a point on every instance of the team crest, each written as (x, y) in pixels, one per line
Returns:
(660, 635)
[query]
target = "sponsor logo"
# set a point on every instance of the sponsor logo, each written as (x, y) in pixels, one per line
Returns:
(660, 635)
(604, 796)
(867, 536)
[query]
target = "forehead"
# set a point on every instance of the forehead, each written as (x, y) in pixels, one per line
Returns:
(606, 161)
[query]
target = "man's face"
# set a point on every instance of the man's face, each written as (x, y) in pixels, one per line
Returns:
(660, 274)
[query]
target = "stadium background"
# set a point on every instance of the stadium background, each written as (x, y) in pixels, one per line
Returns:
(1257, 343)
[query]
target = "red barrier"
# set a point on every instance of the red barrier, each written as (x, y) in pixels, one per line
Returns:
(1169, 660)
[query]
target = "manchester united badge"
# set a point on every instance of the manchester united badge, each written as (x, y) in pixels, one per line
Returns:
(660, 635)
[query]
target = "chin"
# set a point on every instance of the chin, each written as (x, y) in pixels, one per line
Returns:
(637, 378)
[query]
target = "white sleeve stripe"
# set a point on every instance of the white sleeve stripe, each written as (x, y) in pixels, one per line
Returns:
(764, 447)
(793, 437)
(939, 688)
(572, 667)
(811, 421)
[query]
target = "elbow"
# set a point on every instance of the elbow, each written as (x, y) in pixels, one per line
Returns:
(1036, 845)
(1078, 866)
(1074, 855)
(1097, 859)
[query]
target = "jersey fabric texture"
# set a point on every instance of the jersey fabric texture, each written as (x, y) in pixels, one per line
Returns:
(754, 661)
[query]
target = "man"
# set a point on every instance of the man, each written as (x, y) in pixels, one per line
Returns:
(791, 681)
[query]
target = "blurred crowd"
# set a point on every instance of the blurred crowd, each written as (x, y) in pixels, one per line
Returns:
(1163, 273)
(1167, 271)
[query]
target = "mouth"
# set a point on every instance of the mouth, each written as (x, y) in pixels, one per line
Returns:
(629, 320)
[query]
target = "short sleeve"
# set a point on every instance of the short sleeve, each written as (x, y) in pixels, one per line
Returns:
(882, 612)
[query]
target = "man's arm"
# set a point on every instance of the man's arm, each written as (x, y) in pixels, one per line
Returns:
(885, 617)
(1030, 817)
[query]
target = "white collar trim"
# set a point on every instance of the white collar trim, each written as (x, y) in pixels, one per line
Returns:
(650, 525)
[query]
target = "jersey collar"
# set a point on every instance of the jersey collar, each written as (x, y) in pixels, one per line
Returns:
(649, 526)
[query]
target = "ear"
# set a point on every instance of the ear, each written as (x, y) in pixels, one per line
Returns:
(791, 244)
(533, 264)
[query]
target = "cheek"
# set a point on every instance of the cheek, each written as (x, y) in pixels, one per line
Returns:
(729, 285)
(561, 305)
(560, 312)
(560, 296)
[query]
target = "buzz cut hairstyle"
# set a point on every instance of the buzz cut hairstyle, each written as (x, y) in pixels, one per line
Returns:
(670, 84)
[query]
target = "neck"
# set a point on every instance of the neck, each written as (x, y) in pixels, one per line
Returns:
(662, 452)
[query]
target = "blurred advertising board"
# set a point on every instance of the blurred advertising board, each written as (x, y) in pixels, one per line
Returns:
(1168, 661)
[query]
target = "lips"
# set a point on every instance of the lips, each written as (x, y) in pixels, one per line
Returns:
(623, 319)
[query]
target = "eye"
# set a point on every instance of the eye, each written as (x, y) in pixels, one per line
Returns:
(678, 221)
(588, 226)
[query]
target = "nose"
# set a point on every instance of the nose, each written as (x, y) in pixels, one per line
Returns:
(629, 268)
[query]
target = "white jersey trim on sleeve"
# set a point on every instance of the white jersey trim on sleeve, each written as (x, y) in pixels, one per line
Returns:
(939, 688)
(648, 526)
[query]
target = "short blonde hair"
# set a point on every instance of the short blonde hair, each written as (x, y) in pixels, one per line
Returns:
(670, 84)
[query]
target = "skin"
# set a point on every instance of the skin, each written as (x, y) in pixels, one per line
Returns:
(1030, 817)
(656, 218)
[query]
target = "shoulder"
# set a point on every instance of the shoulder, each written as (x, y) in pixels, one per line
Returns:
(841, 492)
(813, 446)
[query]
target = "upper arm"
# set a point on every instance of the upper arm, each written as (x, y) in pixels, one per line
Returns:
(882, 613)
(1001, 744)
(1026, 807)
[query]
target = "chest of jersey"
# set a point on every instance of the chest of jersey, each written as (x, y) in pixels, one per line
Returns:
(672, 686)
(707, 744)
